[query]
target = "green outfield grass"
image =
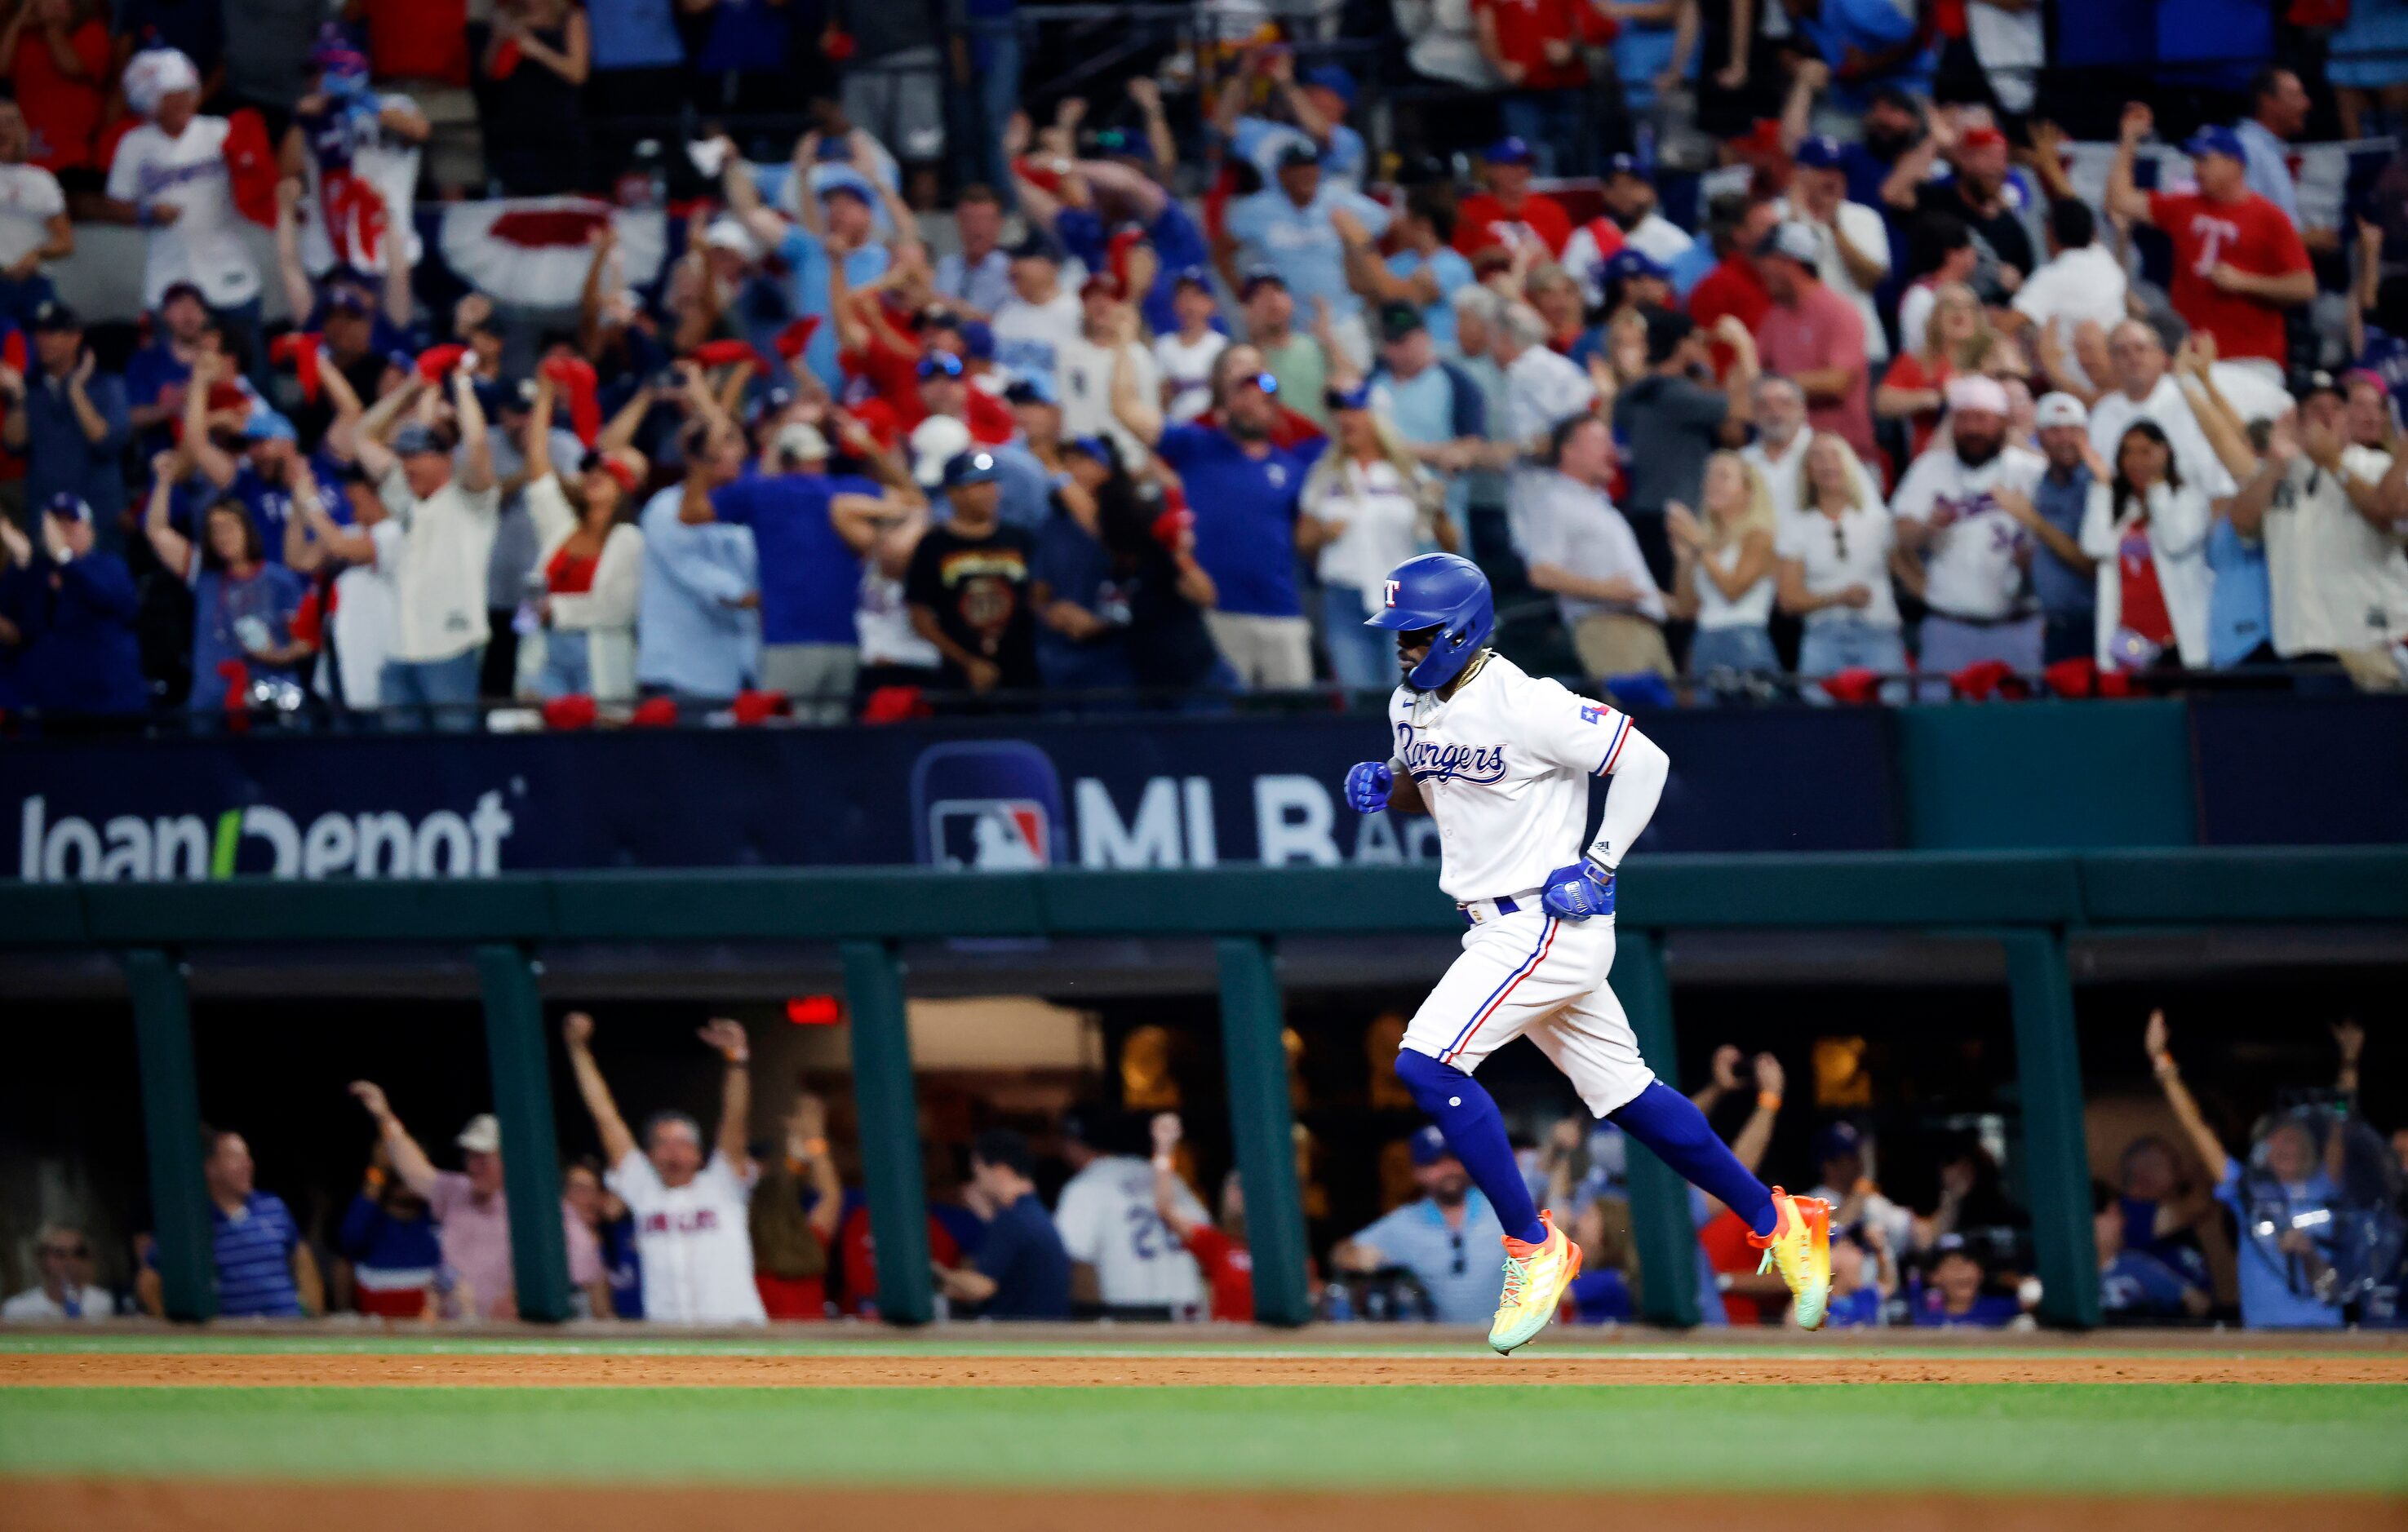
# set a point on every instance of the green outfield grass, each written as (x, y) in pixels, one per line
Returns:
(2020, 1438)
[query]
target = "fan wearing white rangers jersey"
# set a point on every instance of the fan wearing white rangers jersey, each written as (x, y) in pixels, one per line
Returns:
(1503, 761)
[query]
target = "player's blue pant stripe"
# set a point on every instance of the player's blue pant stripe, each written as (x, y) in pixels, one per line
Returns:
(1497, 996)
(1614, 748)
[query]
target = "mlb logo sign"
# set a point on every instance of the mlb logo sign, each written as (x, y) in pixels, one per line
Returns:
(990, 834)
(988, 806)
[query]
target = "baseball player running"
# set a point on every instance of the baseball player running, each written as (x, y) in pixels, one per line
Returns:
(1502, 761)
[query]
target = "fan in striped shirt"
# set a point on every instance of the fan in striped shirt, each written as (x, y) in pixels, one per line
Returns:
(265, 1269)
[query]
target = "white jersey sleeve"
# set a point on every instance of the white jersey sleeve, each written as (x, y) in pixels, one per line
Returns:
(1566, 729)
(1079, 1219)
(1571, 731)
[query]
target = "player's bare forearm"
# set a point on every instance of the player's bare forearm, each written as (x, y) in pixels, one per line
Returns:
(1405, 797)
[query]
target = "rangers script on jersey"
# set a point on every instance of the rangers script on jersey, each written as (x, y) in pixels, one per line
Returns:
(1504, 768)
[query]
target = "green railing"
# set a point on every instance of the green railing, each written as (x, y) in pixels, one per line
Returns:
(2028, 902)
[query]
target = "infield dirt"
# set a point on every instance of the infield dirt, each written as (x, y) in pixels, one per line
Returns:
(75, 1504)
(505, 1369)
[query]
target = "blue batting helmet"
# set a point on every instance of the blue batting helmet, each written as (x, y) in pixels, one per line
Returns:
(1440, 590)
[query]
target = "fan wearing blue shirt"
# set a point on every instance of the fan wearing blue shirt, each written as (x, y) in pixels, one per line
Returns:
(1953, 1297)
(74, 607)
(697, 613)
(1122, 196)
(839, 226)
(2282, 1198)
(2133, 1284)
(1432, 403)
(1866, 43)
(68, 418)
(265, 1269)
(1243, 487)
(1447, 1240)
(261, 478)
(1426, 270)
(1021, 1270)
(1316, 103)
(1290, 227)
(810, 530)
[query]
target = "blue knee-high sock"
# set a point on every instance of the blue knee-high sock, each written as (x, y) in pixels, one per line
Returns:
(1467, 1115)
(1670, 1123)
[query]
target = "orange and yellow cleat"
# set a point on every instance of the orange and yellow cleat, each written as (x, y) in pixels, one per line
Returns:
(1535, 1279)
(1799, 1248)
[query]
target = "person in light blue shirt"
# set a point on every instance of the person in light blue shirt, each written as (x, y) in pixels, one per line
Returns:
(1691, 267)
(2278, 113)
(1438, 408)
(2281, 1196)
(1288, 228)
(979, 273)
(1427, 268)
(1312, 110)
(698, 613)
(840, 224)
(1449, 1240)
(2239, 604)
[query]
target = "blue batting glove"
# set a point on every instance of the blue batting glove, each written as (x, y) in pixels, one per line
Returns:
(1366, 786)
(1579, 891)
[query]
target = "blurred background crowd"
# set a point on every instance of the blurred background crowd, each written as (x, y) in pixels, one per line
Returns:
(433, 362)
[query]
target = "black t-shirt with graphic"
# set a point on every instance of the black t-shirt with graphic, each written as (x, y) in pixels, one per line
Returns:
(978, 588)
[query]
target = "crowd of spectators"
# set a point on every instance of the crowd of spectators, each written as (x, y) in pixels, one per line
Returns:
(677, 1224)
(1845, 388)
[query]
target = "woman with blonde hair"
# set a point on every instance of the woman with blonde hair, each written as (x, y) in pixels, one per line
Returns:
(1367, 506)
(1722, 571)
(1833, 568)
(1956, 338)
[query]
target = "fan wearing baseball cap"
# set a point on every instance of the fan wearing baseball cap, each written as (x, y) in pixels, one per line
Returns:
(1442, 1238)
(1293, 227)
(1110, 337)
(1508, 214)
(2239, 263)
(2061, 572)
(1952, 512)
(1980, 193)
(811, 530)
(1814, 335)
(968, 584)
(72, 607)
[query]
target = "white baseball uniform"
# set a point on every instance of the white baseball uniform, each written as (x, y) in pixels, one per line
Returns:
(1107, 1219)
(1504, 766)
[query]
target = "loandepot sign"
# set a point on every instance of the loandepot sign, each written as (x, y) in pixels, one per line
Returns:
(259, 840)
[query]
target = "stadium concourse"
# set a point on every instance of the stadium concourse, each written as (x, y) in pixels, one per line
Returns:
(1065, 1429)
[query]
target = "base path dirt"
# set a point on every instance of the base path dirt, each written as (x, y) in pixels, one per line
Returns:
(192, 1506)
(601, 1369)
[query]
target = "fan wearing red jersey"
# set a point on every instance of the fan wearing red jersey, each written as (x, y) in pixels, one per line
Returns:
(1220, 1249)
(2239, 261)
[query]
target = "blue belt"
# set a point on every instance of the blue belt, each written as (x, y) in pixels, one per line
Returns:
(1504, 907)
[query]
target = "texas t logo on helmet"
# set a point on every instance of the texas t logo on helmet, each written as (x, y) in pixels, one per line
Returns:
(1440, 590)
